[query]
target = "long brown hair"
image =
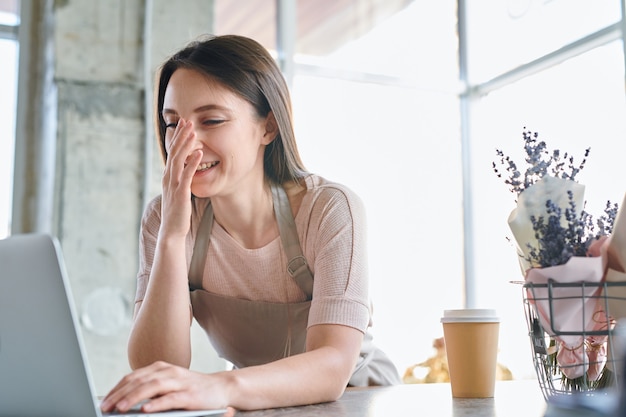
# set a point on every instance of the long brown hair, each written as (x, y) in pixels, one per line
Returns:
(245, 67)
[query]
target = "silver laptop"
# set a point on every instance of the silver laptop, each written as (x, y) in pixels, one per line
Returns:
(43, 367)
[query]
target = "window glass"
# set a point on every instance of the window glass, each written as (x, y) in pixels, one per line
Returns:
(256, 20)
(398, 147)
(577, 105)
(502, 34)
(392, 38)
(324, 29)
(9, 12)
(8, 84)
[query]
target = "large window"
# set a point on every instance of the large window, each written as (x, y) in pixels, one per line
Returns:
(371, 115)
(505, 34)
(574, 98)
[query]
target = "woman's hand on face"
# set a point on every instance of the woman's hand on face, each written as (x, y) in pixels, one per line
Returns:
(181, 165)
(167, 387)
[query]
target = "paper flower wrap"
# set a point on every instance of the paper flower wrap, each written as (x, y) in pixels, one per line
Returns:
(572, 309)
(576, 309)
(532, 202)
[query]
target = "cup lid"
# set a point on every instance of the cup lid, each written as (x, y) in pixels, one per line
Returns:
(470, 315)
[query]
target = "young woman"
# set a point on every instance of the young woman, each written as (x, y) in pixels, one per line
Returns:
(268, 258)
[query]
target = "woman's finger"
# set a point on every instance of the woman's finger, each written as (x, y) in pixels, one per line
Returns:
(183, 160)
(179, 149)
(189, 390)
(180, 168)
(181, 143)
(193, 161)
(181, 129)
(129, 384)
(142, 385)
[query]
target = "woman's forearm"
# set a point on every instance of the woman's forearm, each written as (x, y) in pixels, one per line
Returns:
(161, 328)
(318, 375)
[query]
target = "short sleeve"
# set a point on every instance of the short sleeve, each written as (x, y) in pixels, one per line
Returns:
(150, 224)
(336, 240)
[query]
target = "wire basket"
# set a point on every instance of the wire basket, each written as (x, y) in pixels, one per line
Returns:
(592, 329)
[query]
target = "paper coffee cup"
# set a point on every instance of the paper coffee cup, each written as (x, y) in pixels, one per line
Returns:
(471, 337)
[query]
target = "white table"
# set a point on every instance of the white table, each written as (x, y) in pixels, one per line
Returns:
(512, 398)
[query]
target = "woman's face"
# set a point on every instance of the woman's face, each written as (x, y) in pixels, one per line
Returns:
(225, 127)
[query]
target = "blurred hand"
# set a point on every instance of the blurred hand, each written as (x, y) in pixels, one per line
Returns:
(598, 246)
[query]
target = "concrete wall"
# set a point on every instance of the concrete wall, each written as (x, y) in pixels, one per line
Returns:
(105, 54)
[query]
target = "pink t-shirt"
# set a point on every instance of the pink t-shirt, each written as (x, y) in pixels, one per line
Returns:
(331, 228)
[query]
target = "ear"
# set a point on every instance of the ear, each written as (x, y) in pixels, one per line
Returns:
(271, 129)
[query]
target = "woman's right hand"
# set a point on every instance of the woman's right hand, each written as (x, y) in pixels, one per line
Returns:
(182, 161)
(162, 320)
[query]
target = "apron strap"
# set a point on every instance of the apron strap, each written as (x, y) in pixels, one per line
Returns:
(297, 266)
(200, 249)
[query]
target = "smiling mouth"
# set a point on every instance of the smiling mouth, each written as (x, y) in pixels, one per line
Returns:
(204, 166)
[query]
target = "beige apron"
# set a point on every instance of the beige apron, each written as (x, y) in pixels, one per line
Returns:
(247, 332)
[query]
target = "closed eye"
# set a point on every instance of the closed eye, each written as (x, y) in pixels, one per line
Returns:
(213, 122)
(171, 125)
